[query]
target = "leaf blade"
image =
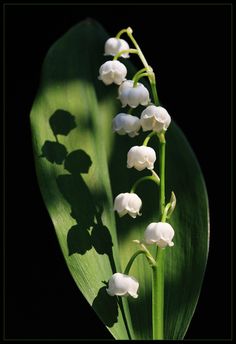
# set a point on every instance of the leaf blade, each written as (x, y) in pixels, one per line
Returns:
(69, 85)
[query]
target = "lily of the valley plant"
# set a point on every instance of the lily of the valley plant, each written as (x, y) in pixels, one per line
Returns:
(155, 120)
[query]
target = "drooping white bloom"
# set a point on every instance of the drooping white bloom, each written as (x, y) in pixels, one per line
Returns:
(155, 118)
(133, 96)
(112, 72)
(122, 285)
(141, 157)
(114, 45)
(159, 233)
(126, 124)
(127, 203)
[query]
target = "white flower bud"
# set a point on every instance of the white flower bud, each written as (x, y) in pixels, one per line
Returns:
(141, 157)
(133, 96)
(126, 124)
(122, 285)
(112, 72)
(155, 118)
(159, 233)
(127, 203)
(114, 45)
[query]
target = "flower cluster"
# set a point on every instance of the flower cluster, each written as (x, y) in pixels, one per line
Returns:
(130, 93)
(154, 118)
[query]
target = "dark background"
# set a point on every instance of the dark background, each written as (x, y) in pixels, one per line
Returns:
(189, 48)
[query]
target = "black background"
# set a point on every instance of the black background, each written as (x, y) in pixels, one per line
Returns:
(189, 48)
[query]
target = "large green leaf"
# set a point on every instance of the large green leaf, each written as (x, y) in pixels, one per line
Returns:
(81, 166)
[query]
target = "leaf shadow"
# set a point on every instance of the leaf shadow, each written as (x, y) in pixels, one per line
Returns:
(54, 152)
(106, 306)
(62, 122)
(89, 231)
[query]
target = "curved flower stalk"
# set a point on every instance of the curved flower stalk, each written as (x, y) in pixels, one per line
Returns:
(156, 119)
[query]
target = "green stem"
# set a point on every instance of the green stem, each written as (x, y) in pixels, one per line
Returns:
(139, 76)
(154, 89)
(158, 265)
(158, 282)
(162, 171)
(151, 75)
(154, 178)
(142, 57)
(158, 296)
(165, 212)
(121, 32)
(145, 142)
(130, 262)
(145, 69)
(132, 51)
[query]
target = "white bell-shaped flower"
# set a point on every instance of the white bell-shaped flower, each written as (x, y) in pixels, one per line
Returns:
(128, 203)
(126, 124)
(112, 72)
(114, 45)
(133, 96)
(159, 233)
(155, 118)
(141, 157)
(122, 285)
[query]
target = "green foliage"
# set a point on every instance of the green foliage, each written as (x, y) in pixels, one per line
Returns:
(81, 167)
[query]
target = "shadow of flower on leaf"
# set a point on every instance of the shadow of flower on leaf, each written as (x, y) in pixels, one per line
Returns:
(104, 301)
(62, 122)
(54, 152)
(89, 231)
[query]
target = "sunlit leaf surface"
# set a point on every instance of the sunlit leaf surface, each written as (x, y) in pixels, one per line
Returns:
(81, 167)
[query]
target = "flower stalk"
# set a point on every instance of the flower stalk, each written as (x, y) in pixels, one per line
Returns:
(158, 274)
(154, 118)
(132, 51)
(162, 153)
(150, 74)
(153, 178)
(139, 76)
(158, 296)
